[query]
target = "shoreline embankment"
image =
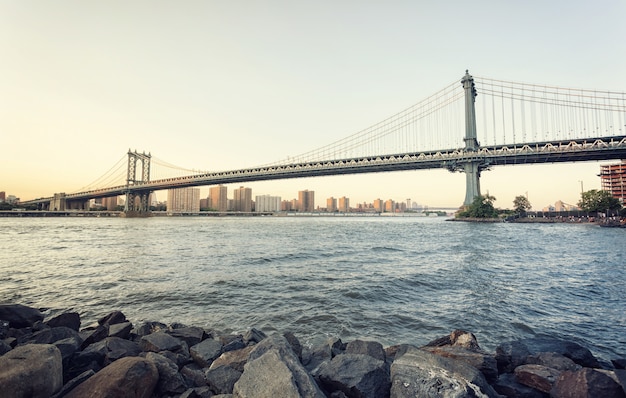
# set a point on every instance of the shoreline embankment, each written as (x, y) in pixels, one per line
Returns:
(58, 357)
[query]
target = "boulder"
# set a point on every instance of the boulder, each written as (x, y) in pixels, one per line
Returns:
(100, 354)
(121, 330)
(538, 377)
(507, 385)
(160, 341)
(222, 379)
(20, 316)
(49, 336)
(112, 318)
(294, 343)
(191, 335)
(510, 355)
(586, 382)
(484, 362)
(149, 327)
(93, 335)
(205, 352)
(272, 375)
(253, 336)
(234, 359)
(130, 377)
(193, 375)
(68, 319)
(552, 360)
(312, 358)
(457, 338)
(372, 348)
(421, 373)
(71, 384)
(170, 381)
(33, 370)
(356, 375)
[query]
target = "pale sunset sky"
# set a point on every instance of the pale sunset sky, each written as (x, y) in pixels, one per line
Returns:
(218, 85)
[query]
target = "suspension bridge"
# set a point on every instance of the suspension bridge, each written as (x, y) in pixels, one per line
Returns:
(468, 127)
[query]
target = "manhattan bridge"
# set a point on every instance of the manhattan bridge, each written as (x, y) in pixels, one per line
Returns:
(468, 127)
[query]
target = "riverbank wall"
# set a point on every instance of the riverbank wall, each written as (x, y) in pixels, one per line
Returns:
(59, 357)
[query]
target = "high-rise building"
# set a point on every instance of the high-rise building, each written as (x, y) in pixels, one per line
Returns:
(3, 196)
(331, 205)
(378, 205)
(185, 200)
(286, 205)
(218, 199)
(306, 201)
(390, 206)
(266, 203)
(613, 179)
(344, 204)
(242, 199)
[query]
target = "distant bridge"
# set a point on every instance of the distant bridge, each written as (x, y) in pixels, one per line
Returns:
(573, 125)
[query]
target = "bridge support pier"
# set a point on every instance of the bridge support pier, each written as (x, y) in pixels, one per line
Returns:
(472, 167)
(58, 202)
(472, 182)
(137, 202)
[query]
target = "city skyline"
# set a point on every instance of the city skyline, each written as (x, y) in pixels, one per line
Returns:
(215, 86)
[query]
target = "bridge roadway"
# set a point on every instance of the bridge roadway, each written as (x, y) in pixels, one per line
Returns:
(574, 150)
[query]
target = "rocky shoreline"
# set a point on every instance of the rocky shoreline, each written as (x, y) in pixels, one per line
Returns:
(57, 358)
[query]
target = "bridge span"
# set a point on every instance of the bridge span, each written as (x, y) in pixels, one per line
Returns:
(472, 158)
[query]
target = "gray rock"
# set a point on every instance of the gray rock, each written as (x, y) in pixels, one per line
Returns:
(68, 319)
(160, 341)
(49, 336)
(191, 335)
(233, 345)
(294, 343)
(271, 375)
(356, 375)
(457, 338)
(253, 336)
(113, 318)
(222, 379)
(70, 385)
(314, 357)
(4, 347)
(552, 360)
(484, 362)
(205, 352)
(193, 375)
(235, 359)
(586, 382)
(538, 377)
(98, 355)
(507, 385)
(418, 373)
(121, 330)
(20, 316)
(94, 335)
(170, 381)
(513, 354)
(149, 328)
(372, 348)
(201, 392)
(130, 377)
(33, 370)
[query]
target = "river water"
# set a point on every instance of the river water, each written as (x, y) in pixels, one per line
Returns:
(391, 279)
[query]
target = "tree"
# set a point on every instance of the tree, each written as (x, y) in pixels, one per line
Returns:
(521, 204)
(595, 201)
(481, 207)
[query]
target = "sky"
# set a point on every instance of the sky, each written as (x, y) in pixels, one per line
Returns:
(219, 85)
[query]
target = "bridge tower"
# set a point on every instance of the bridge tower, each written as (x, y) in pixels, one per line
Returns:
(472, 167)
(132, 208)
